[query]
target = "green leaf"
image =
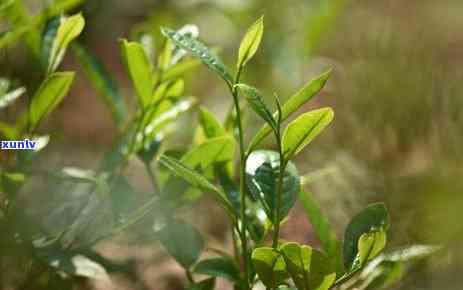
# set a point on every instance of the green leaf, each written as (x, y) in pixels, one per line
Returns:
(387, 268)
(262, 171)
(199, 50)
(49, 33)
(8, 131)
(213, 151)
(219, 149)
(211, 126)
(68, 30)
(370, 245)
(139, 69)
(207, 284)
(9, 98)
(250, 42)
(269, 266)
(102, 81)
(373, 218)
(197, 180)
(219, 267)
(256, 101)
(134, 140)
(182, 241)
(50, 93)
(292, 105)
(309, 269)
(180, 68)
(304, 129)
(321, 226)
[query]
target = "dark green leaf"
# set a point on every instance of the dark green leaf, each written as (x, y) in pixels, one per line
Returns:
(269, 266)
(256, 101)
(304, 129)
(197, 180)
(207, 284)
(48, 37)
(102, 81)
(183, 242)
(373, 218)
(50, 93)
(219, 267)
(199, 50)
(262, 171)
(292, 105)
(139, 69)
(68, 30)
(321, 226)
(250, 42)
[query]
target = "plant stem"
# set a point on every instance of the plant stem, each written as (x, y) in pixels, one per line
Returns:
(189, 276)
(152, 177)
(243, 157)
(282, 166)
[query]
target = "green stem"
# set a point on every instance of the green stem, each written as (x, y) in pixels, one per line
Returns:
(243, 157)
(276, 221)
(153, 178)
(189, 276)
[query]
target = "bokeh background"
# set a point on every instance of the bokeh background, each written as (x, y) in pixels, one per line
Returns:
(396, 88)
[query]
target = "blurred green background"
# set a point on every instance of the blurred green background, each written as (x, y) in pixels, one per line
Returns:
(396, 88)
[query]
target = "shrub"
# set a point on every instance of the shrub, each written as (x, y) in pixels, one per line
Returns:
(256, 194)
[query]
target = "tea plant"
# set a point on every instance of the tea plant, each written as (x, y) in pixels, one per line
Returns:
(256, 194)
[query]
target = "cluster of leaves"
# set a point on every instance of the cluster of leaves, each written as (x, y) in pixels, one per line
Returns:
(270, 184)
(257, 195)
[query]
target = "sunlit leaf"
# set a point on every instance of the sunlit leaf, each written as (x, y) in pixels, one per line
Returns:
(304, 129)
(292, 105)
(9, 98)
(68, 30)
(139, 69)
(370, 245)
(269, 266)
(250, 42)
(199, 50)
(211, 126)
(373, 218)
(309, 269)
(73, 264)
(50, 93)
